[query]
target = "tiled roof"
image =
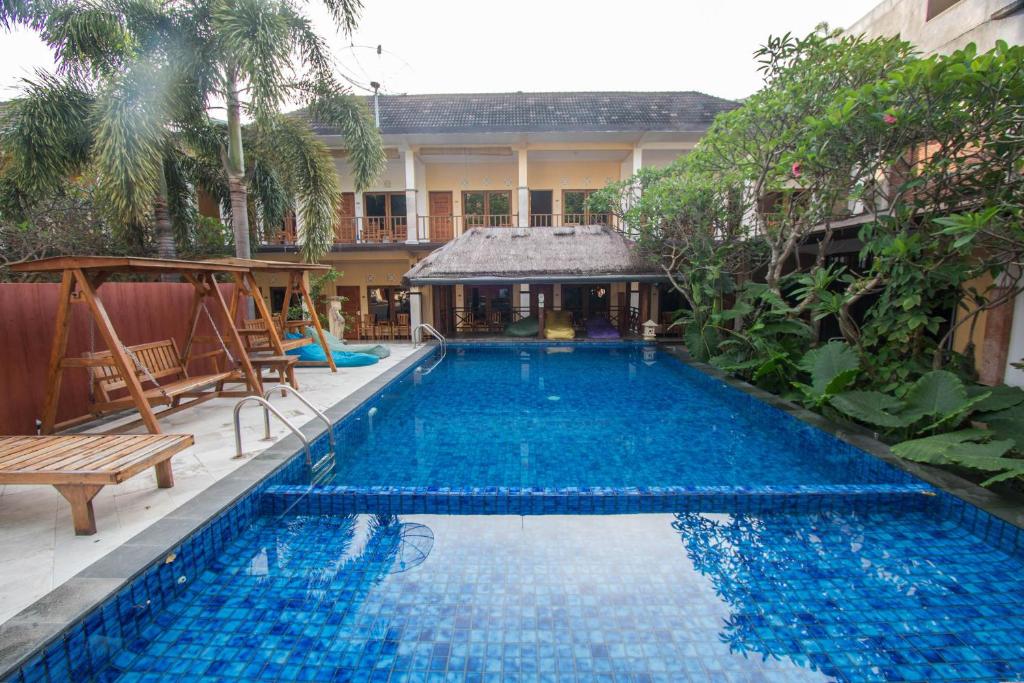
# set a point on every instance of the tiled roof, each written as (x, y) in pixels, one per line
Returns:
(518, 112)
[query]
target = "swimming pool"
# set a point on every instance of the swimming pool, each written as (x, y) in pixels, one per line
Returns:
(776, 552)
(609, 415)
(635, 597)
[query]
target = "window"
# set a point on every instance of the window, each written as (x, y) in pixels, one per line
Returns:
(487, 208)
(386, 303)
(384, 204)
(385, 217)
(937, 7)
(575, 211)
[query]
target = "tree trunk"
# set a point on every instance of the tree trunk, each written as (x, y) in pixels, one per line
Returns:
(165, 247)
(235, 166)
(239, 216)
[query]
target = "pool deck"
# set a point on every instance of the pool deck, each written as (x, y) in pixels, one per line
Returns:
(38, 548)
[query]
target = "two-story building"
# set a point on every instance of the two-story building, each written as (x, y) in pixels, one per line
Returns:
(517, 161)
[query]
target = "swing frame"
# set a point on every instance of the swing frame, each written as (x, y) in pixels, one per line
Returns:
(81, 277)
(297, 283)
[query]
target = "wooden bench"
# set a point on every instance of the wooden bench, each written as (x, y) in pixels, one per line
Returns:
(258, 341)
(79, 465)
(159, 361)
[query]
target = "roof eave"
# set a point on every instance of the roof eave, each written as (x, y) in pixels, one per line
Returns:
(596, 278)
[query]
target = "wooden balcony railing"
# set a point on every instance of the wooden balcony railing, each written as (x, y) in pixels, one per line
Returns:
(556, 220)
(385, 230)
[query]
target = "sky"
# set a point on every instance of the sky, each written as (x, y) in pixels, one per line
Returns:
(542, 45)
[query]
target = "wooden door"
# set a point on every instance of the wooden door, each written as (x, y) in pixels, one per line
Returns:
(440, 221)
(444, 301)
(345, 221)
(350, 309)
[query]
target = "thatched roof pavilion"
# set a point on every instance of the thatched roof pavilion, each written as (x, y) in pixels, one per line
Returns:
(578, 254)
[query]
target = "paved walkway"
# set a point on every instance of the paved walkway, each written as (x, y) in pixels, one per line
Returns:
(38, 547)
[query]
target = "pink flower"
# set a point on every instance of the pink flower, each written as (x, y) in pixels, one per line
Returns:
(796, 169)
(889, 118)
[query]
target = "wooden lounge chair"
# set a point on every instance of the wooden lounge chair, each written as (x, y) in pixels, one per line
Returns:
(79, 465)
(159, 364)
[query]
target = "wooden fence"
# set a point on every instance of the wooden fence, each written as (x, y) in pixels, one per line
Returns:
(140, 311)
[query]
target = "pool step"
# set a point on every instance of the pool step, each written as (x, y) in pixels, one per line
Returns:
(344, 500)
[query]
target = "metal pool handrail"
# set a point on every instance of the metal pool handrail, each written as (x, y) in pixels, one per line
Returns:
(433, 332)
(267, 409)
(295, 392)
(437, 335)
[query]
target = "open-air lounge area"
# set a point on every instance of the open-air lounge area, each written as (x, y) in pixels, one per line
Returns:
(334, 348)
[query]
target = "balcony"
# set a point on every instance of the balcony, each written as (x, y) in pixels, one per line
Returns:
(434, 229)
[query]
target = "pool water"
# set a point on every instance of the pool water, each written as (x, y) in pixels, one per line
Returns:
(806, 568)
(624, 415)
(624, 598)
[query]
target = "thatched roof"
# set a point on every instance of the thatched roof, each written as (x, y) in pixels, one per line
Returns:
(592, 253)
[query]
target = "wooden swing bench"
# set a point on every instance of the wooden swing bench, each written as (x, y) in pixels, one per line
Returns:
(258, 341)
(155, 362)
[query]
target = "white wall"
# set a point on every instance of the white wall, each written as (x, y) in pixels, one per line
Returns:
(968, 21)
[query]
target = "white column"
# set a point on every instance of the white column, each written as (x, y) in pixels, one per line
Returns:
(412, 227)
(524, 300)
(415, 307)
(359, 216)
(421, 201)
(638, 159)
(524, 189)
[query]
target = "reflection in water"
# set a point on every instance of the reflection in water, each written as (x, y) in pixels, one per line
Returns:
(607, 597)
(837, 592)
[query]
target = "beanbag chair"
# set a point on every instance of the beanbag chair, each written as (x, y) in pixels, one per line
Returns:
(600, 328)
(558, 325)
(335, 344)
(527, 327)
(312, 353)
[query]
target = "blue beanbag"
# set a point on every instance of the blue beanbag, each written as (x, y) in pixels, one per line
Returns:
(312, 353)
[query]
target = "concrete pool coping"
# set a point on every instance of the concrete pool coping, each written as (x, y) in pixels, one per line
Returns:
(44, 621)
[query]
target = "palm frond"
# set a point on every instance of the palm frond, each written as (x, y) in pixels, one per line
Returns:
(313, 51)
(131, 133)
(45, 133)
(308, 174)
(88, 38)
(30, 13)
(345, 13)
(269, 198)
(182, 204)
(350, 115)
(253, 37)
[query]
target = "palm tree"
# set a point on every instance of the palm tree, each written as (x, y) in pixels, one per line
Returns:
(255, 55)
(158, 71)
(60, 128)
